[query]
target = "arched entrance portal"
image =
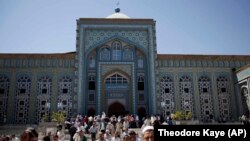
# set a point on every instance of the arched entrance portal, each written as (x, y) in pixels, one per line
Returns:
(116, 109)
(142, 113)
(91, 112)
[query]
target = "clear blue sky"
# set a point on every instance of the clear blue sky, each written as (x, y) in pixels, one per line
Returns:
(182, 26)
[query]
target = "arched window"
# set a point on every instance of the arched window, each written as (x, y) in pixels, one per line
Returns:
(245, 100)
(44, 88)
(22, 98)
(4, 91)
(127, 54)
(66, 85)
(186, 92)
(23, 85)
(65, 94)
(116, 50)
(44, 85)
(224, 97)
(206, 107)
(222, 84)
(91, 82)
(167, 95)
(140, 87)
(116, 79)
(105, 53)
(92, 88)
(140, 83)
(4, 85)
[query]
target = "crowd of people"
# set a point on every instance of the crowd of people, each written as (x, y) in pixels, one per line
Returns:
(244, 119)
(29, 134)
(97, 128)
(102, 128)
(109, 128)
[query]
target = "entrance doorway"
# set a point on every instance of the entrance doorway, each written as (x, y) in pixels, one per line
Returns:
(142, 113)
(91, 112)
(116, 109)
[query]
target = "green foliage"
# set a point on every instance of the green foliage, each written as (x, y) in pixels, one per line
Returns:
(46, 118)
(179, 115)
(189, 116)
(59, 116)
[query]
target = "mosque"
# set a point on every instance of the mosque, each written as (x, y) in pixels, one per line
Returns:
(116, 69)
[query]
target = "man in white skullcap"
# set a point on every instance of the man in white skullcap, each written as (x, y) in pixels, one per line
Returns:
(148, 133)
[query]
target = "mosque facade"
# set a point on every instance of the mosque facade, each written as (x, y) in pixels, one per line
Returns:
(116, 69)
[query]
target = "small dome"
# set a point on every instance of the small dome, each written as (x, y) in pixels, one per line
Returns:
(117, 10)
(118, 16)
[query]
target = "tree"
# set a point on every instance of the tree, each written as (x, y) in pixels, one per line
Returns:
(189, 116)
(59, 117)
(179, 115)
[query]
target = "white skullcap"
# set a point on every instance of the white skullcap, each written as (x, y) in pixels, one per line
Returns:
(147, 128)
(78, 129)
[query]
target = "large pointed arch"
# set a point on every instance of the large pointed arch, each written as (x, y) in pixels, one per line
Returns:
(117, 74)
(127, 85)
(116, 108)
(116, 71)
(118, 38)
